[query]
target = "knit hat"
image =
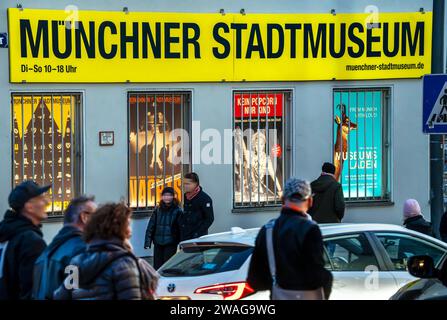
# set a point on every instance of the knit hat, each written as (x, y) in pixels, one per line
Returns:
(168, 190)
(411, 209)
(297, 190)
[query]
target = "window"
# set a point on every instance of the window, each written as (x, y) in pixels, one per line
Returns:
(260, 142)
(158, 146)
(350, 253)
(400, 247)
(361, 143)
(46, 144)
(203, 260)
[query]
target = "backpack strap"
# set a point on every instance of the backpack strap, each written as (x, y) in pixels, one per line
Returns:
(270, 250)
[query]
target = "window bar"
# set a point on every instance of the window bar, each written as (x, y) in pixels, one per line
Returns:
(242, 143)
(137, 158)
(52, 150)
(267, 149)
(42, 137)
(32, 138)
(155, 148)
(62, 155)
(171, 148)
(251, 150)
(164, 140)
(14, 119)
(182, 151)
(385, 148)
(364, 141)
(236, 146)
(372, 145)
(129, 113)
(341, 138)
(348, 147)
(23, 141)
(275, 181)
(357, 141)
(259, 149)
(284, 129)
(71, 146)
(146, 118)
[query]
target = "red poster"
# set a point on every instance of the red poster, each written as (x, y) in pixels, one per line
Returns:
(269, 105)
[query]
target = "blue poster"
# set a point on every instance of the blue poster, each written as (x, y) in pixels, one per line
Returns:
(358, 143)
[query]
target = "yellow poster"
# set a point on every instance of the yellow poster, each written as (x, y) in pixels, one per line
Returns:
(100, 46)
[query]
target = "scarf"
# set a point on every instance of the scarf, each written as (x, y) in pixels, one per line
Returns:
(191, 195)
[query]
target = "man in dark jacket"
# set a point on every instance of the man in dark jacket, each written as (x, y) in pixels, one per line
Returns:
(198, 212)
(50, 267)
(298, 247)
(21, 240)
(329, 202)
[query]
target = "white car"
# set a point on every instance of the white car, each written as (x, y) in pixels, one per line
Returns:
(368, 262)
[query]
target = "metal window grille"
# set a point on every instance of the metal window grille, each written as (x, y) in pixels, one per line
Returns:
(46, 144)
(260, 147)
(156, 157)
(361, 150)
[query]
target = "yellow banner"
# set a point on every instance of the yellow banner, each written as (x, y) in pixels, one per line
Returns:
(97, 46)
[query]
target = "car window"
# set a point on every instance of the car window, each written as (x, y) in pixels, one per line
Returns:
(203, 260)
(400, 247)
(350, 253)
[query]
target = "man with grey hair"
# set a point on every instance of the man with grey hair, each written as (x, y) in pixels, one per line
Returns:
(288, 255)
(49, 269)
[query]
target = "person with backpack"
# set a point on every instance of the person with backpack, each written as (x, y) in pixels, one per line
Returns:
(163, 229)
(50, 267)
(288, 254)
(108, 269)
(21, 239)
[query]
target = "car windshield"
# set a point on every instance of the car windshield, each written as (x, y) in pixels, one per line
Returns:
(203, 260)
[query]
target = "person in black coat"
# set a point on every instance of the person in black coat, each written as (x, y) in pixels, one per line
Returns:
(414, 220)
(108, 269)
(329, 202)
(298, 247)
(163, 228)
(49, 269)
(21, 240)
(198, 214)
(443, 228)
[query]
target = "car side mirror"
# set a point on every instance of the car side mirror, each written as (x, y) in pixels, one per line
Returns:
(422, 267)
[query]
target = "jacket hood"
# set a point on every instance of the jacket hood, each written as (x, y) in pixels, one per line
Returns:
(323, 183)
(99, 254)
(66, 233)
(14, 223)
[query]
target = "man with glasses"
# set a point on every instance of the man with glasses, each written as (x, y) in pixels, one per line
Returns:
(50, 267)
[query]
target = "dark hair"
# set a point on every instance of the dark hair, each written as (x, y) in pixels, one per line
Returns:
(109, 221)
(74, 209)
(193, 176)
(328, 168)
